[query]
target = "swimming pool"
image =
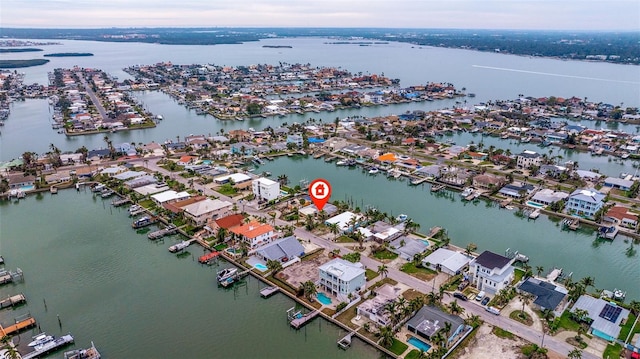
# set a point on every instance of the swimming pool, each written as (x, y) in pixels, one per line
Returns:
(534, 204)
(27, 188)
(419, 344)
(261, 267)
(322, 298)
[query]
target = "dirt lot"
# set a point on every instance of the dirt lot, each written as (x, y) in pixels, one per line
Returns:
(301, 272)
(487, 345)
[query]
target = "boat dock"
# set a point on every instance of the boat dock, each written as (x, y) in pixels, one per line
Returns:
(170, 229)
(298, 320)
(608, 232)
(266, 292)
(136, 212)
(20, 325)
(555, 273)
(571, 223)
(120, 202)
(8, 276)
(89, 353)
(207, 258)
(437, 188)
(418, 181)
(50, 346)
(234, 278)
(534, 214)
(143, 222)
(345, 342)
(13, 300)
(180, 246)
(505, 203)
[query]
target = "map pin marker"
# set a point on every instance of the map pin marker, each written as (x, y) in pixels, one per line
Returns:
(320, 191)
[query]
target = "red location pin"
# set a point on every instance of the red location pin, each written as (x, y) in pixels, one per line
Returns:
(320, 191)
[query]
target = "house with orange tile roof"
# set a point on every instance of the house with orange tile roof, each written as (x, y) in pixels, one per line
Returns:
(254, 233)
(622, 217)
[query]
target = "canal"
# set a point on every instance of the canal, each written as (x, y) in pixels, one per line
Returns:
(479, 222)
(82, 261)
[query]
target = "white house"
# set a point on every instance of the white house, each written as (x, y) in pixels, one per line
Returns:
(585, 202)
(491, 272)
(265, 189)
(254, 233)
(374, 308)
(344, 221)
(446, 260)
(341, 278)
(528, 158)
(200, 211)
(169, 196)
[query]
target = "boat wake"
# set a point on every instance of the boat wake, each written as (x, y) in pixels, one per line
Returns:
(556, 75)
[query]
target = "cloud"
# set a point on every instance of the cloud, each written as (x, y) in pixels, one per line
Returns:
(496, 14)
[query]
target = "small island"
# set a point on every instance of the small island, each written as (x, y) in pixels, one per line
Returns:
(25, 49)
(14, 64)
(277, 46)
(68, 54)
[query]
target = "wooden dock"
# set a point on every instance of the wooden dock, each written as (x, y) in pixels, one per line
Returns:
(572, 224)
(50, 346)
(13, 300)
(437, 188)
(236, 277)
(19, 326)
(266, 292)
(170, 229)
(120, 202)
(298, 320)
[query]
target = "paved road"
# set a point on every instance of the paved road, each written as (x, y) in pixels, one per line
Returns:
(471, 307)
(96, 101)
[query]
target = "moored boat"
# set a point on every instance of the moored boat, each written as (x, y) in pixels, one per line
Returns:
(226, 273)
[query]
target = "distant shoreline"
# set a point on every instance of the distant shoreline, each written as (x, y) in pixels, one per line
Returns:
(68, 54)
(14, 64)
(277, 46)
(12, 50)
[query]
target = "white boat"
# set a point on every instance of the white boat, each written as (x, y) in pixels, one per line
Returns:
(401, 217)
(226, 273)
(40, 339)
(374, 171)
(466, 192)
(341, 163)
(134, 208)
(178, 247)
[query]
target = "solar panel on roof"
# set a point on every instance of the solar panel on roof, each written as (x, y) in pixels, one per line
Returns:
(610, 312)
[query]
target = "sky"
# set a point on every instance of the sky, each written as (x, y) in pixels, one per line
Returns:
(461, 14)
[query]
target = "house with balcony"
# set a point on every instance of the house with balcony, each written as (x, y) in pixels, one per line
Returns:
(201, 211)
(254, 233)
(265, 189)
(374, 308)
(491, 272)
(585, 202)
(341, 278)
(527, 159)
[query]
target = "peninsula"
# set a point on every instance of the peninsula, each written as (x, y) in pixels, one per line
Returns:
(68, 54)
(13, 64)
(18, 49)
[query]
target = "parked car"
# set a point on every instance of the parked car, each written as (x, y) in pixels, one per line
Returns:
(460, 296)
(485, 300)
(480, 296)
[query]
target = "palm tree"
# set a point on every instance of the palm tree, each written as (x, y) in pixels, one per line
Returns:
(433, 298)
(334, 229)
(539, 270)
(470, 248)
(575, 354)
(274, 266)
(473, 320)
(634, 307)
(455, 308)
(309, 289)
(283, 179)
(386, 336)
(382, 270)
(525, 298)
(12, 353)
(587, 282)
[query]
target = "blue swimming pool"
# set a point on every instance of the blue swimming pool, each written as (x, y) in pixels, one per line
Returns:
(261, 267)
(534, 204)
(419, 344)
(322, 298)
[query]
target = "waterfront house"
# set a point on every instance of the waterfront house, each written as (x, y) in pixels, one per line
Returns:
(585, 202)
(382, 231)
(345, 221)
(446, 261)
(517, 190)
(341, 278)
(429, 320)
(58, 177)
(174, 147)
(254, 233)
(215, 224)
(169, 196)
(265, 189)
(86, 172)
(127, 175)
(552, 170)
(20, 180)
(488, 181)
(548, 196)
(622, 217)
(407, 248)
(96, 155)
(71, 158)
(201, 211)
(284, 250)
(177, 206)
(374, 308)
(527, 159)
(296, 139)
(113, 170)
(491, 272)
(546, 295)
(588, 175)
(618, 183)
(605, 317)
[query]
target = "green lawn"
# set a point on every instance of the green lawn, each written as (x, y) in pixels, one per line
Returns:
(626, 328)
(612, 351)
(517, 275)
(227, 190)
(418, 272)
(413, 354)
(521, 317)
(501, 333)
(385, 255)
(345, 239)
(398, 347)
(147, 203)
(370, 274)
(567, 322)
